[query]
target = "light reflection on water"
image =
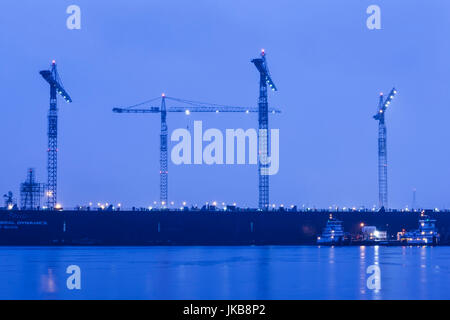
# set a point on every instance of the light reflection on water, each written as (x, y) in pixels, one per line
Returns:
(225, 272)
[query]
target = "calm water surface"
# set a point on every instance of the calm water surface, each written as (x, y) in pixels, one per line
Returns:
(225, 272)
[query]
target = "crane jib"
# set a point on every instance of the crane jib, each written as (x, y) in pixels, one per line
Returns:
(48, 76)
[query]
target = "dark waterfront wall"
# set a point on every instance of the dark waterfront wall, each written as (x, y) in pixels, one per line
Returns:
(193, 228)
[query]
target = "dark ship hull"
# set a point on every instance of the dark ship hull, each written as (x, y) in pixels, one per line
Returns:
(136, 228)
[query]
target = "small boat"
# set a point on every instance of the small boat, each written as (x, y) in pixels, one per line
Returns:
(333, 233)
(426, 234)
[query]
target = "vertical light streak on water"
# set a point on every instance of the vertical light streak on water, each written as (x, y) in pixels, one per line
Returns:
(48, 284)
(362, 270)
(423, 271)
(376, 261)
(332, 273)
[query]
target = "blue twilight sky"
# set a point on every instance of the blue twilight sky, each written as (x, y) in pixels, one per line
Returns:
(328, 66)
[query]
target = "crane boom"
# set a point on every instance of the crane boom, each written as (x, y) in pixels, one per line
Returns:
(384, 104)
(261, 65)
(193, 106)
(53, 79)
(194, 109)
(128, 110)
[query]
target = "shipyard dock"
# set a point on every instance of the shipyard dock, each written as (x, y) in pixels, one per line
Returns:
(175, 227)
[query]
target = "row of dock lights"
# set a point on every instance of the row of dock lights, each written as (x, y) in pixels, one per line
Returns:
(274, 206)
(184, 204)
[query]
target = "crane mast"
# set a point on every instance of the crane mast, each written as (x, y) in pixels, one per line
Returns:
(163, 171)
(382, 162)
(52, 151)
(382, 149)
(56, 87)
(263, 132)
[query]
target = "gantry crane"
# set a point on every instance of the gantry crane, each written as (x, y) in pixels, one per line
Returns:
(263, 133)
(190, 106)
(56, 86)
(382, 148)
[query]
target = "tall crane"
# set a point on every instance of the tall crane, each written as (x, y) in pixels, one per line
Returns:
(382, 148)
(56, 87)
(263, 133)
(187, 108)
